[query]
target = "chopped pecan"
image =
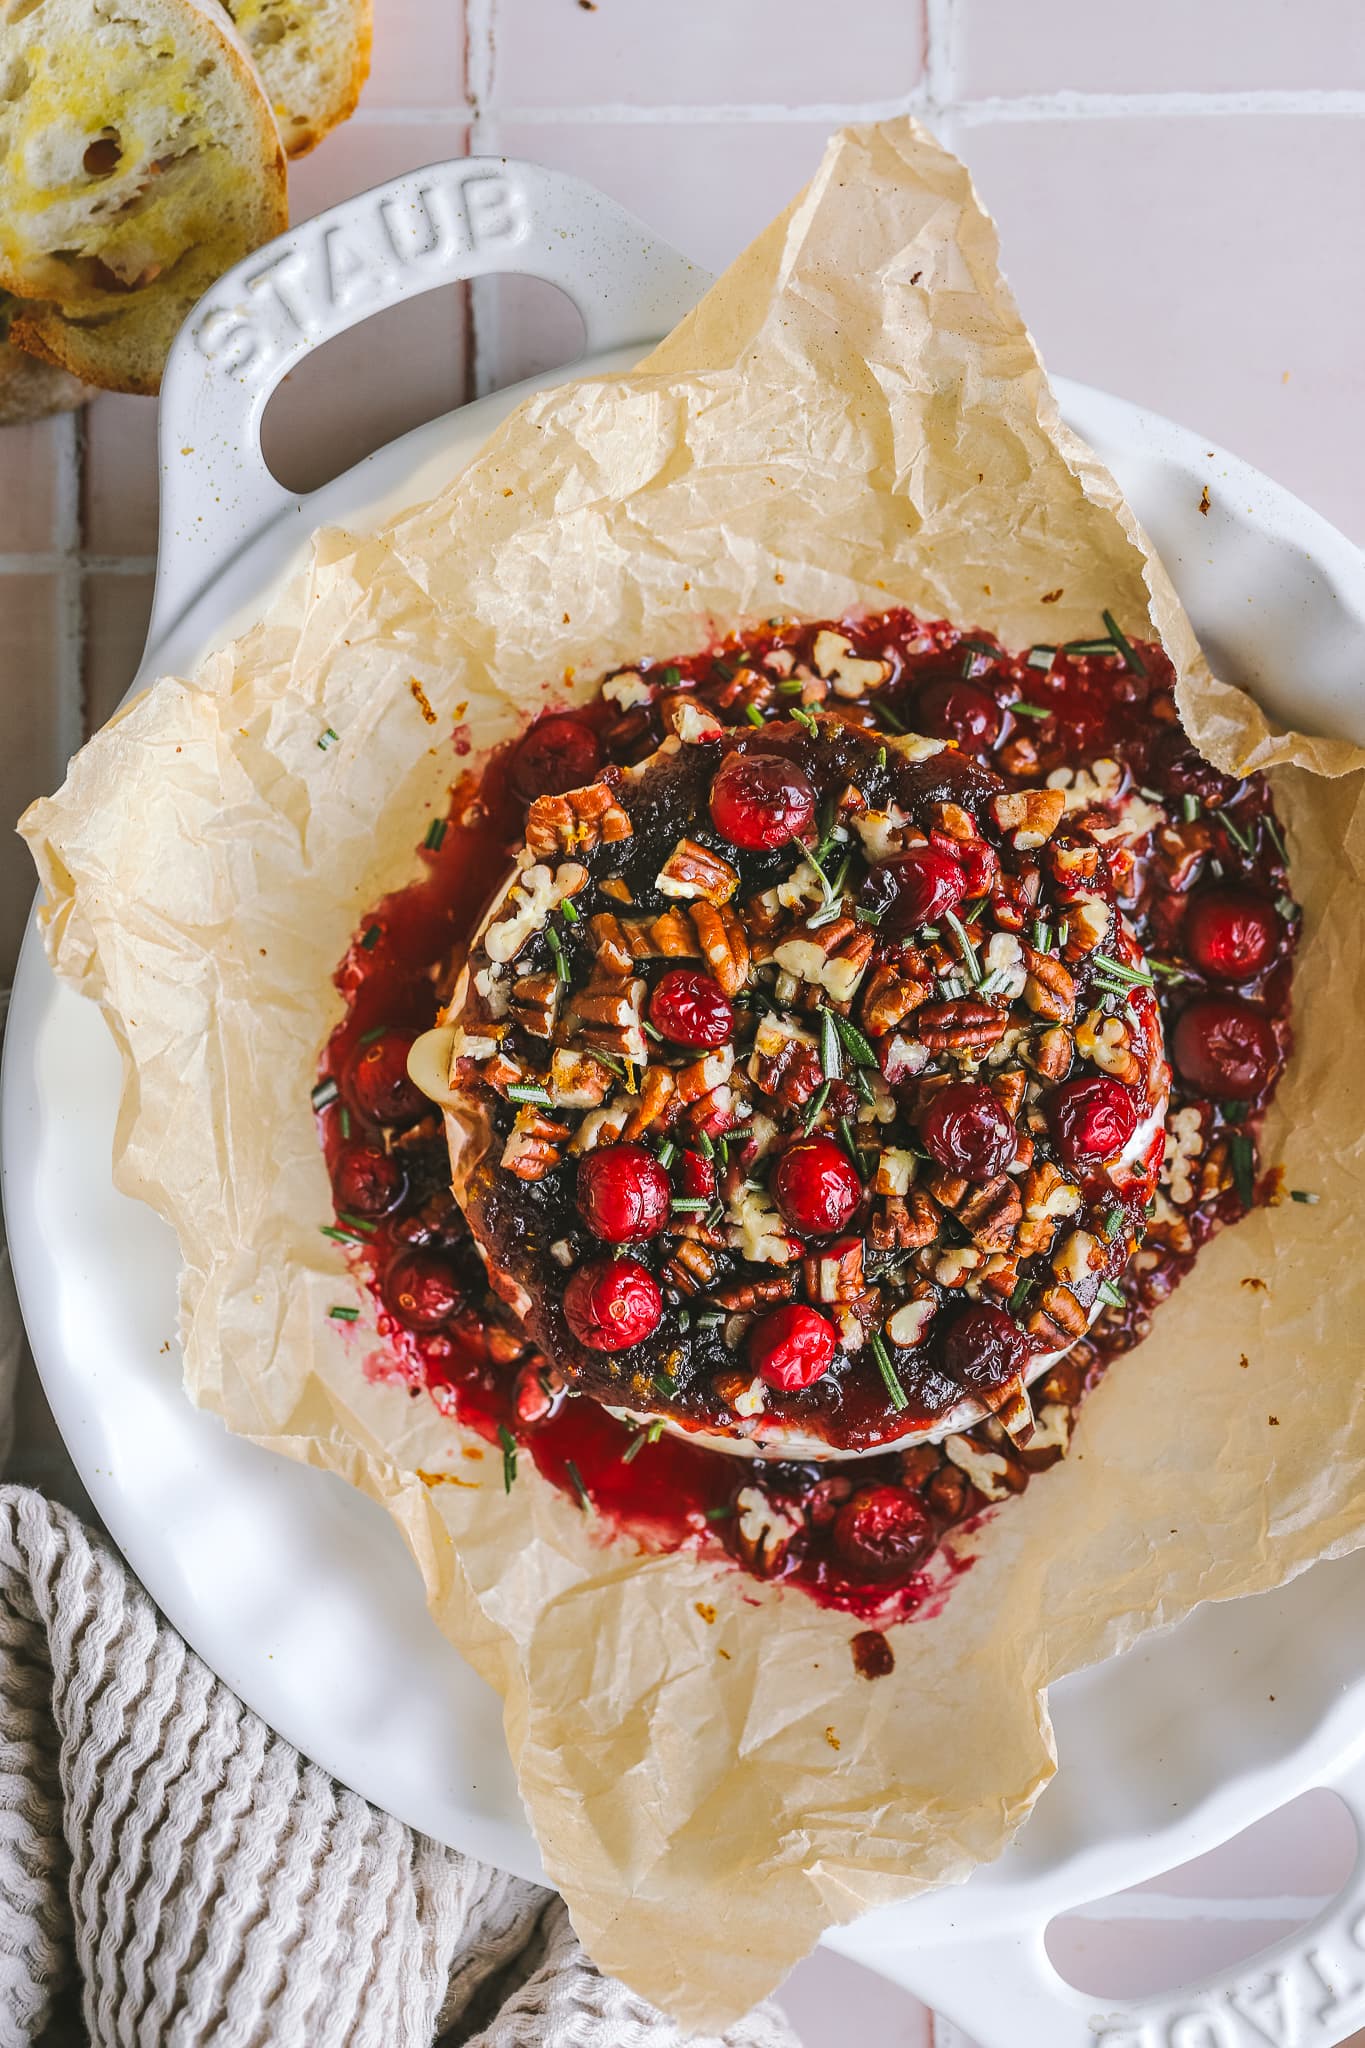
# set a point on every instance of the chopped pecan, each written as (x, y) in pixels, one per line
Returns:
(533, 1143)
(765, 1531)
(1059, 1306)
(993, 1214)
(1014, 1411)
(891, 993)
(946, 1492)
(1031, 816)
(833, 956)
(1007, 1085)
(691, 1267)
(668, 937)
(724, 947)
(1070, 864)
(614, 954)
(1105, 1040)
(851, 674)
(790, 1074)
(692, 721)
(535, 1003)
(702, 1076)
(692, 870)
(618, 890)
(947, 1188)
(1050, 1053)
(1019, 756)
(577, 1080)
(835, 1274)
(576, 821)
(954, 821)
(743, 1296)
(1049, 991)
(1087, 926)
(608, 1016)
(905, 1222)
(652, 1104)
(963, 1025)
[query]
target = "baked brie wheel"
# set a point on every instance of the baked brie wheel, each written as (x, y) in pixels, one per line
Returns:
(804, 1088)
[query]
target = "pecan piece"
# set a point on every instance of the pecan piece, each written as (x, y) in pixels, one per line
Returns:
(576, 821)
(835, 1274)
(651, 1105)
(946, 1187)
(692, 870)
(1008, 1086)
(533, 1143)
(993, 1214)
(608, 1016)
(743, 1296)
(614, 952)
(1029, 816)
(765, 1531)
(1051, 1053)
(905, 1222)
(1059, 1307)
(1105, 1040)
(891, 993)
(962, 1025)
(691, 1267)
(724, 947)
(1049, 990)
(534, 1002)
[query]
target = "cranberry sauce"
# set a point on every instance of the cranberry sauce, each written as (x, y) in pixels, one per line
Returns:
(1202, 875)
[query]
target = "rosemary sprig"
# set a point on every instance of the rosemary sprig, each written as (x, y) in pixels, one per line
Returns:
(899, 1398)
(1132, 661)
(509, 1456)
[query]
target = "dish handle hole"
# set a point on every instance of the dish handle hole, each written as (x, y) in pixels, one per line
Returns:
(523, 327)
(1215, 1913)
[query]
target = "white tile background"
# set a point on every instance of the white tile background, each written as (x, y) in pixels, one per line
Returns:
(1179, 188)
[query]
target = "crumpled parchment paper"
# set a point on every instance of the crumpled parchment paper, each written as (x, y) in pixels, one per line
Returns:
(854, 416)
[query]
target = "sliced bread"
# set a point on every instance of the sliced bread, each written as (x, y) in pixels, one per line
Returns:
(139, 159)
(313, 57)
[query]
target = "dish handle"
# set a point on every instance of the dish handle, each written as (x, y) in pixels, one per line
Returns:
(1307, 1991)
(450, 222)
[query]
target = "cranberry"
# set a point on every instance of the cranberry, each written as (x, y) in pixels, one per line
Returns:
(610, 1304)
(985, 1349)
(1224, 1047)
(1091, 1119)
(420, 1290)
(928, 883)
(623, 1193)
(792, 1347)
(367, 1180)
(816, 1186)
(958, 711)
(1176, 765)
(379, 1084)
(1230, 933)
(759, 801)
(979, 862)
(697, 1175)
(969, 1131)
(882, 1532)
(691, 1009)
(558, 753)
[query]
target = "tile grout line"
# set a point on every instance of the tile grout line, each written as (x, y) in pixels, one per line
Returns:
(51, 563)
(481, 60)
(69, 451)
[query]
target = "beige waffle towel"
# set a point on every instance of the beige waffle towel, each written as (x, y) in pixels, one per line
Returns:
(173, 1874)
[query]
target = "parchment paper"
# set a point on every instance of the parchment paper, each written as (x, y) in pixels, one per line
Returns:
(855, 416)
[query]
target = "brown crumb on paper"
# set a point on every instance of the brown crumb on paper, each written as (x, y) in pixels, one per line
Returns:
(444, 1479)
(706, 1611)
(1050, 596)
(1244, 1362)
(873, 1656)
(1204, 501)
(421, 700)
(831, 1738)
(1256, 1284)
(1274, 1421)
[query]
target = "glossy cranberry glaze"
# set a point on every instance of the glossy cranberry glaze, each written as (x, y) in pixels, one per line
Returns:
(959, 712)
(367, 1180)
(421, 1290)
(985, 1348)
(882, 1532)
(927, 884)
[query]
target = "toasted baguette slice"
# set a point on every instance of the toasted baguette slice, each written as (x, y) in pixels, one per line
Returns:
(313, 57)
(30, 390)
(140, 159)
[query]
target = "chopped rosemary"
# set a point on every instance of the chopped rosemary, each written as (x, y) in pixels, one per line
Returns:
(1271, 824)
(634, 1447)
(371, 936)
(552, 940)
(753, 714)
(1132, 661)
(857, 1047)
(341, 1236)
(804, 718)
(650, 1031)
(889, 719)
(1089, 647)
(689, 1205)
(1132, 976)
(831, 1061)
(706, 1144)
(570, 910)
(719, 1514)
(881, 757)
(1042, 935)
(711, 1319)
(328, 738)
(850, 1143)
(345, 1121)
(671, 677)
(509, 1456)
(834, 906)
(361, 1223)
(790, 686)
(436, 832)
(666, 1385)
(1023, 710)
(1107, 1291)
(1189, 807)
(739, 1134)
(817, 1103)
(1304, 1195)
(966, 950)
(899, 1398)
(864, 1087)
(325, 1093)
(1040, 657)
(862, 915)
(665, 1152)
(344, 1315)
(1234, 832)
(575, 1478)
(1022, 1290)
(1243, 1158)
(1113, 1222)
(1164, 967)
(528, 1091)
(370, 1036)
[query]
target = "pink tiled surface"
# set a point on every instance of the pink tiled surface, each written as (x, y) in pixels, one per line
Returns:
(1178, 188)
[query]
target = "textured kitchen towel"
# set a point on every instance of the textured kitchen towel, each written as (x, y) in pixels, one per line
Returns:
(178, 1875)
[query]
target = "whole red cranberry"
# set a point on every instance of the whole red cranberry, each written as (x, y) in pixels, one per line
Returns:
(760, 801)
(968, 1131)
(882, 1532)
(985, 1348)
(816, 1186)
(1231, 933)
(979, 862)
(959, 711)
(792, 1347)
(610, 1304)
(1091, 1119)
(378, 1082)
(697, 1175)
(1224, 1047)
(367, 1180)
(559, 752)
(420, 1290)
(928, 882)
(691, 1009)
(623, 1193)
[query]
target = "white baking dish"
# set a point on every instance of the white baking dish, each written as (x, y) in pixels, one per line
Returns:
(296, 1589)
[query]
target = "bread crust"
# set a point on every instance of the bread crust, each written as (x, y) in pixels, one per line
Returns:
(311, 90)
